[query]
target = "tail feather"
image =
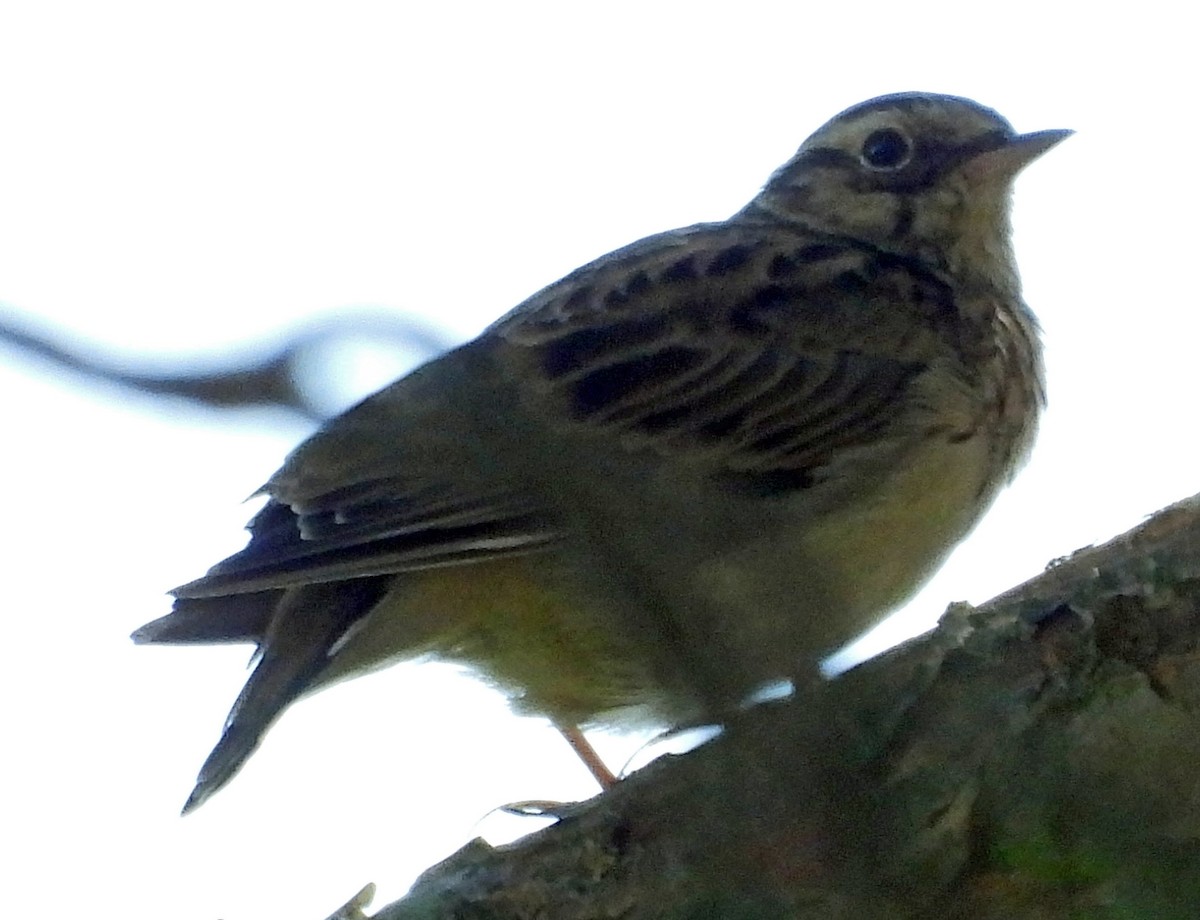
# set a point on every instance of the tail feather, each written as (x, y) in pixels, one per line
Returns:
(207, 620)
(295, 631)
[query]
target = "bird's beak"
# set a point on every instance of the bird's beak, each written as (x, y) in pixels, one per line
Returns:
(1003, 162)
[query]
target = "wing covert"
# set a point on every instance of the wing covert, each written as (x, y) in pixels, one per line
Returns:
(758, 349)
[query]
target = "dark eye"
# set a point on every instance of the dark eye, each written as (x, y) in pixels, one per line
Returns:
(886, 148)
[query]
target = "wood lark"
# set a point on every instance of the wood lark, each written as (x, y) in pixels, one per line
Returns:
(691, 467)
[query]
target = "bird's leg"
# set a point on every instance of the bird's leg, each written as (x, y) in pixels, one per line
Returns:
(583, 748)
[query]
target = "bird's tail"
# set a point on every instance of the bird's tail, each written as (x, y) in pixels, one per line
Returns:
(294, 629)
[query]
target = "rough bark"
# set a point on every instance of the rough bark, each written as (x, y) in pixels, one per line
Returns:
(1035, 757)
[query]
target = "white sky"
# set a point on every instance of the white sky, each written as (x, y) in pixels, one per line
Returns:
(177, 179)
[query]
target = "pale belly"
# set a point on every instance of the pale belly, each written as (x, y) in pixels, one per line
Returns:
(755, 611)
(876, 553)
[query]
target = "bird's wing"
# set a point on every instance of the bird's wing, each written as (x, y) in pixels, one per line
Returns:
(382, 527)
(761, 352)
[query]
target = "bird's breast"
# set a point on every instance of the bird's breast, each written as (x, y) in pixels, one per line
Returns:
(877, 551)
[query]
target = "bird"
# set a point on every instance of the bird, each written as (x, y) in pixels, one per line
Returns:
(689, 469)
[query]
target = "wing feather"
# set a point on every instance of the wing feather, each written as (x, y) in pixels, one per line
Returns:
(752, 349)
(758, 348)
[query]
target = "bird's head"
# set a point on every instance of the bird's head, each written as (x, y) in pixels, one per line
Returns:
(921, 175)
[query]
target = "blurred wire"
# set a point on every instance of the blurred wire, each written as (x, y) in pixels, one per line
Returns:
(279, 378)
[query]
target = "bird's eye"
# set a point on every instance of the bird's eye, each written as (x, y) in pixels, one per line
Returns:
(886, 148)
